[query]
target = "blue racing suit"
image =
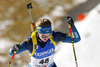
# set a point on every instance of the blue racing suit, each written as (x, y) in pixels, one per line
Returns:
(43, 56)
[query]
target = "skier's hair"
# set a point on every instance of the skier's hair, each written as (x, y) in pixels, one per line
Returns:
(43, 22)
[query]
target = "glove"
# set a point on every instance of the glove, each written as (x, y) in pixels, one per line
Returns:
(16, 48)
(69, 20)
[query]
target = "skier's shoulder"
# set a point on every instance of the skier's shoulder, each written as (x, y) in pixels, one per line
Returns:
(57, 33)
(28, 39)
(58, 36)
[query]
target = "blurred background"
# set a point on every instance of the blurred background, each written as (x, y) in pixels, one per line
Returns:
(15, 27)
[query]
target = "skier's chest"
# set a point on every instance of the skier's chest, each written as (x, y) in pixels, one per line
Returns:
(46, 51)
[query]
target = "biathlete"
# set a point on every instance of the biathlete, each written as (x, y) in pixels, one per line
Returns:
(42, 43)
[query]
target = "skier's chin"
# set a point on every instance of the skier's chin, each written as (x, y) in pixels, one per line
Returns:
(45, 40)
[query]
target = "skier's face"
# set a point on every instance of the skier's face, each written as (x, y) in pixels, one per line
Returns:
(44, 37)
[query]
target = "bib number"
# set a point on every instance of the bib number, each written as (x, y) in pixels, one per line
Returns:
(44, 61)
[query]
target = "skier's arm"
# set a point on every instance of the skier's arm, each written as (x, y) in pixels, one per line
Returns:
(76, 36)
(23, 47)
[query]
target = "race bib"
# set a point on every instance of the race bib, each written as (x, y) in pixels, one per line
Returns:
(44, 62)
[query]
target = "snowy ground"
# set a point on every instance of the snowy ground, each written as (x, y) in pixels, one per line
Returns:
(88, 49)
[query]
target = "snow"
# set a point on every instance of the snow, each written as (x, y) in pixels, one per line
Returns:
(4, 24)
(5, 44)
(58, 11)
(75, 2)
(3, 59)
(87, 50)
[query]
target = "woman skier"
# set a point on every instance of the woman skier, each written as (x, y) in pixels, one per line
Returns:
(42, 43)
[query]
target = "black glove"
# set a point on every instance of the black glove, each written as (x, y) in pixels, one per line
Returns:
(70, 20)
(16, 48)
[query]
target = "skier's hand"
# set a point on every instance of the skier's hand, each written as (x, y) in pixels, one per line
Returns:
(16, 48)
(70, 20)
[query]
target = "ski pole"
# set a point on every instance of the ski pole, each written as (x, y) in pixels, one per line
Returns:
(12, 58)
(69, 25)
(32, 29)
(29, 7)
